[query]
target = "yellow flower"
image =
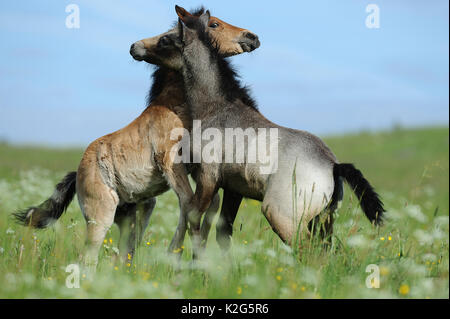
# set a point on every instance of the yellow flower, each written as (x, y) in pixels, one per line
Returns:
(278, 277)
(110, 240)
(105, 241)
(129, 256)
(404, 289)
(155, 284)
(294, 286)
(384, 271)
(303, 288)
(128, 265)
(239, 290)
(116, 268)
(245, 242)
(148, 243)
(389, 238)
(279, 269)
(176, 251)
(381, 238)
(84, 276)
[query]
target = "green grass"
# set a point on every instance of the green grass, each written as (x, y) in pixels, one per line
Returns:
(409, 168)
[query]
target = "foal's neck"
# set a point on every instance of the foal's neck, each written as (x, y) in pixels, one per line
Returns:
(167, 89)
(202, 83)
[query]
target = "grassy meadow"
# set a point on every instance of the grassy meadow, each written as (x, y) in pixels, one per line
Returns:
(408, 167)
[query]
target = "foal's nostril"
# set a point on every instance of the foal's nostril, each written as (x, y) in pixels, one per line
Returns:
(251, 36)
(132, 49)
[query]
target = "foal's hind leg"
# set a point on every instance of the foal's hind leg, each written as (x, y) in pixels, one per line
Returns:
(293, 230)
(325, 221)
(322, 225)
(99, 208)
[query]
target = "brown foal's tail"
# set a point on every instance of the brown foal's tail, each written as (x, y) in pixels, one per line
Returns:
(368, 198)
(49, 211)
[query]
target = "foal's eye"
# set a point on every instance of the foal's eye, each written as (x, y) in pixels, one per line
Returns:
(214, 25)
(164, 41)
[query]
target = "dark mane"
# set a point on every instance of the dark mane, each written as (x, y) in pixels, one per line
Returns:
(198, 11)
(159, 80)
(159, 76)
(230, 84)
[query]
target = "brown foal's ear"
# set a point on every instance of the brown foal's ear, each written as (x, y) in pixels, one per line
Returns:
(182, 13)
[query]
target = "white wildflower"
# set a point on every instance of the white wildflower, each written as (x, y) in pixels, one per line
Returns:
(423, 237)
(271, 253)
(357, 241)
(415, 212)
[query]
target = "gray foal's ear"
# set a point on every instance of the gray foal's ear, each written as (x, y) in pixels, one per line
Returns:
(204, 18)
(185, 35)
(181, 30)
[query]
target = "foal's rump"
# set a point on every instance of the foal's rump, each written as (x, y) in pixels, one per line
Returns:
(296, 193)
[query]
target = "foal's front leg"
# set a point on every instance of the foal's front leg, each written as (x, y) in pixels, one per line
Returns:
(177, 178)
(208, 219)
(132, 220)
(125, 218)
(224, 227)
(203, 197)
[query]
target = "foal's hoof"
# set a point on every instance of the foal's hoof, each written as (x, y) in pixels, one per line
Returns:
(175, 254)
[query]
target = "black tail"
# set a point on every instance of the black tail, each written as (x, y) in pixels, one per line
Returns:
(49, 211)
(368, 198)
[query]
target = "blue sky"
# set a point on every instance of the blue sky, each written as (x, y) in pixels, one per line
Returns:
(319, 68)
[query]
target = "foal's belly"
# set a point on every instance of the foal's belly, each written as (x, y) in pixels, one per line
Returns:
(245, 179)
(134, 185)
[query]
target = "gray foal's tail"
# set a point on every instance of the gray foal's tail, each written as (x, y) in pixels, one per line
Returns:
(368, 198)
(49, 211)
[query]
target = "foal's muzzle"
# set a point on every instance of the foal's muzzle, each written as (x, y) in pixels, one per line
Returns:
(138, 51)
(249, 42)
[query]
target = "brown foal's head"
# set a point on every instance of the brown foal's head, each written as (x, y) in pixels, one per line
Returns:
(231, 40)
